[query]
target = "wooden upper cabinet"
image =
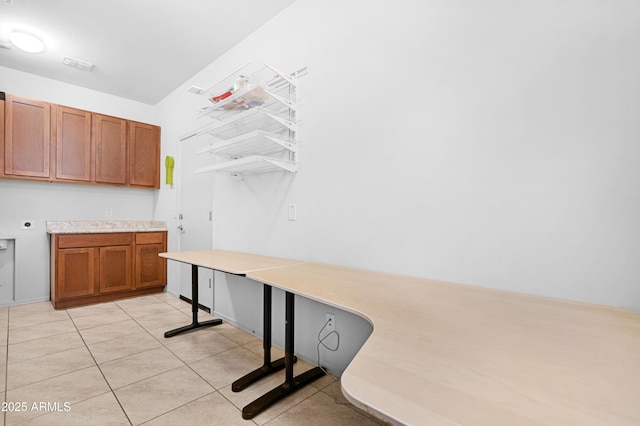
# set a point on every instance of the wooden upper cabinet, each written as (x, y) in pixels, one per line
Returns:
(110, 145)
(27, 137)
(144, 155)
(73, 144)
(43, 141)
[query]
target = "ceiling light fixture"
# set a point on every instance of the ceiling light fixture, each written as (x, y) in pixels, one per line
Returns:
(26, 41)
(77, 63)
(4, 42)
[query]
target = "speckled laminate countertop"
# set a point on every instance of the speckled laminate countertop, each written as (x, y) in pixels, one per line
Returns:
(95, 227)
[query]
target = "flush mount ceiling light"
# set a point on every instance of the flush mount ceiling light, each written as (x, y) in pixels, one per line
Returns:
(26, 41)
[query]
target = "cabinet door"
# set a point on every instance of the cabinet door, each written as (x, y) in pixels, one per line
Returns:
(73, 144)
(76, 272)
(27, 140)
(110, 144)
(150, 268)
(144, 155)
(115, 268)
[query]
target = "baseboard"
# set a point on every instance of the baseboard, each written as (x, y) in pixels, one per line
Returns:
(24, 302)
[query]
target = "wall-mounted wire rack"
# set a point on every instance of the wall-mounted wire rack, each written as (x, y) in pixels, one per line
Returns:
(251, 121)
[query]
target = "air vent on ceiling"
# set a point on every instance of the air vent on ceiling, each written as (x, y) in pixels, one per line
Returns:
(195, 89)
(77, 63)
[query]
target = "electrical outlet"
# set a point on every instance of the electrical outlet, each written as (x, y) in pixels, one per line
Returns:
(109, 212)
(331, 322)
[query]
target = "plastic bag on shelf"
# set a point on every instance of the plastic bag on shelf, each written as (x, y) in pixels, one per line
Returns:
(254, 95)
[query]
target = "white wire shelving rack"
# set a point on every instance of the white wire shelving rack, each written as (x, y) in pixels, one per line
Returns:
(248, 137)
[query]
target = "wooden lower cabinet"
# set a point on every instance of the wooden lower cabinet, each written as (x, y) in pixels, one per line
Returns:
(115, 269)
(93, 268)
(150, 269)
(76, 273)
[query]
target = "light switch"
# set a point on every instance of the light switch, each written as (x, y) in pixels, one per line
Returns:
(293, 214)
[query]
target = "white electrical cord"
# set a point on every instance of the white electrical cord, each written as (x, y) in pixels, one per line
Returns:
(321, 342)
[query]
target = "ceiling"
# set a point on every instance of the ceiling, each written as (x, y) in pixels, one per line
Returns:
(140, 49)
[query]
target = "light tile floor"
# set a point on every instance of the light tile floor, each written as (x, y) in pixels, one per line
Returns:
(109, 364)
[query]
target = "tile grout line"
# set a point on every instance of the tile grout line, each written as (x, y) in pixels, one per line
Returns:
(146, 331)
(232, 403)
(36, 338)
(164, 344)
(239, 409)
(155, 375)
(45, 379)
(98, 366)
(205, 380)
(190, 368)
(177, 408)
(198, 374)
(7, 366)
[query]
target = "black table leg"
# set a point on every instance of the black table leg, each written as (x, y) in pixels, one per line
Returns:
(194, 309)
(268, 367)
(291, 384)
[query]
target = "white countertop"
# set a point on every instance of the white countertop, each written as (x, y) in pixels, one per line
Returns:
(95, 227)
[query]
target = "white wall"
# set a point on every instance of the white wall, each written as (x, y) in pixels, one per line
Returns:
(41, 201)
(490, 143)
